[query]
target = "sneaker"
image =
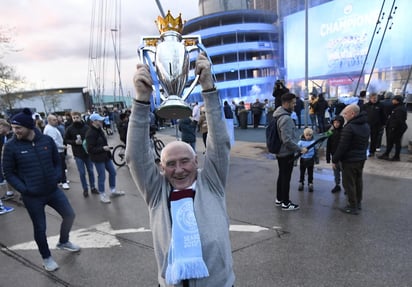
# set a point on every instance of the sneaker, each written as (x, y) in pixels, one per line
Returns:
(290, 206)
(116, 193)
(85, 193)
(371, 154)
(5, 209)
(300, 187)
(395, 158)
(278, 202)
(9, 195)
(349, 210)
(336, 189)
(68, 246)
(94, 191)
(65, 186)
(50, 265)
(310, 187)
(104, 198)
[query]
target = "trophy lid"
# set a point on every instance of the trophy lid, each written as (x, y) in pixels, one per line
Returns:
(169, 23)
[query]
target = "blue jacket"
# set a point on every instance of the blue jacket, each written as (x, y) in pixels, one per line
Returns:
(32, 167)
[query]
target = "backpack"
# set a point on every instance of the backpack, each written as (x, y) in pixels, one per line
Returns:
(273, 141)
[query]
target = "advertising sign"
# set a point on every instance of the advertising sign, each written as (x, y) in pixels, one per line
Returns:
(339, 35)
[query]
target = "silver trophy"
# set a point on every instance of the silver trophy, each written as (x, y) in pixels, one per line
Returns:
(170, 54)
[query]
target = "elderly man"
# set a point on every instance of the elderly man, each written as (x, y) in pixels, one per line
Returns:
(351, 151)
(187, 205)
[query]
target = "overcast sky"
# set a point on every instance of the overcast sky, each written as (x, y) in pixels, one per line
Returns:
(53, 37)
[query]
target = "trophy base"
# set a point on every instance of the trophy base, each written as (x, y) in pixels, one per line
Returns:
(174, 108)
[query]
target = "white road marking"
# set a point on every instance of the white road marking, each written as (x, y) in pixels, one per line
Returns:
(247, 228)
(104, 236)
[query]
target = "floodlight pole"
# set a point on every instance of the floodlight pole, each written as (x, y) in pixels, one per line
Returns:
(159, 5)
(369, 48)
(390, 17)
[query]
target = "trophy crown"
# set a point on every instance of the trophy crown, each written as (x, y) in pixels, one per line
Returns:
(169, 23)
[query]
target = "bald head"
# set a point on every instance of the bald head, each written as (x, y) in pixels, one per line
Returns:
(173, 147)
(178, 161)
(52, 120)
(350, 111)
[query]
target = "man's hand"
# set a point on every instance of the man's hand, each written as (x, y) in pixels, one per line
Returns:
(203, 69)
(143, 83)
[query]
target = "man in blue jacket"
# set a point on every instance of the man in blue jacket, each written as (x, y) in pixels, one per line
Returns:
(31, 164)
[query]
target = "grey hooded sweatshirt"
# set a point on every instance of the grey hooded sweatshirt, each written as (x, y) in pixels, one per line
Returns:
(288, 132)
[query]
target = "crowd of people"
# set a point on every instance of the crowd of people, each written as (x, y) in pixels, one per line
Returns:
(33, 163)
(34, 155)
(354, 133)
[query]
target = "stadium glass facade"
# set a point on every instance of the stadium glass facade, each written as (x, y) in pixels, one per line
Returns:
(243, 47)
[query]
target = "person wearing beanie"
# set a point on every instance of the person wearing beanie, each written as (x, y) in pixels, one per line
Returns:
(31, 165)
(395, 128)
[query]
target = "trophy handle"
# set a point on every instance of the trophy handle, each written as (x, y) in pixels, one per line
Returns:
(145, 58)
(192, 86)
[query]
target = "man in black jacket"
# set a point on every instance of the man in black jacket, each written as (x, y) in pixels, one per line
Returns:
(351, 151)
(376, 120)
(74, 136)
(31, 164)
(100, 155)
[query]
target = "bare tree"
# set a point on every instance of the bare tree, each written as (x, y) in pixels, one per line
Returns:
(51, 102)
(9, 84)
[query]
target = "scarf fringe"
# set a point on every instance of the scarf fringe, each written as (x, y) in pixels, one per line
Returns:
(186, 269)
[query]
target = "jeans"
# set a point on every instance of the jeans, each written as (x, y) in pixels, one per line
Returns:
(353, 181)
(313, 121)
(306, 164)
(82, 165)
(337, 173)
(374, 138)
(285, 173)
(321, 122)
(101, 168)
(35, 206)
(64, 166)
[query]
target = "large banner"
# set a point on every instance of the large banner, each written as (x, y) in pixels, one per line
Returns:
(339, 35)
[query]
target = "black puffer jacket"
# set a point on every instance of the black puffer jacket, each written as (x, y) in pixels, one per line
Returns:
(32, 167)
(396, 124)
(354, 140)
(333, 140)
(96, 140)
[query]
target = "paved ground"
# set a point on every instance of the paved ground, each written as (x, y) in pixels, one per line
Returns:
(315, 246)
